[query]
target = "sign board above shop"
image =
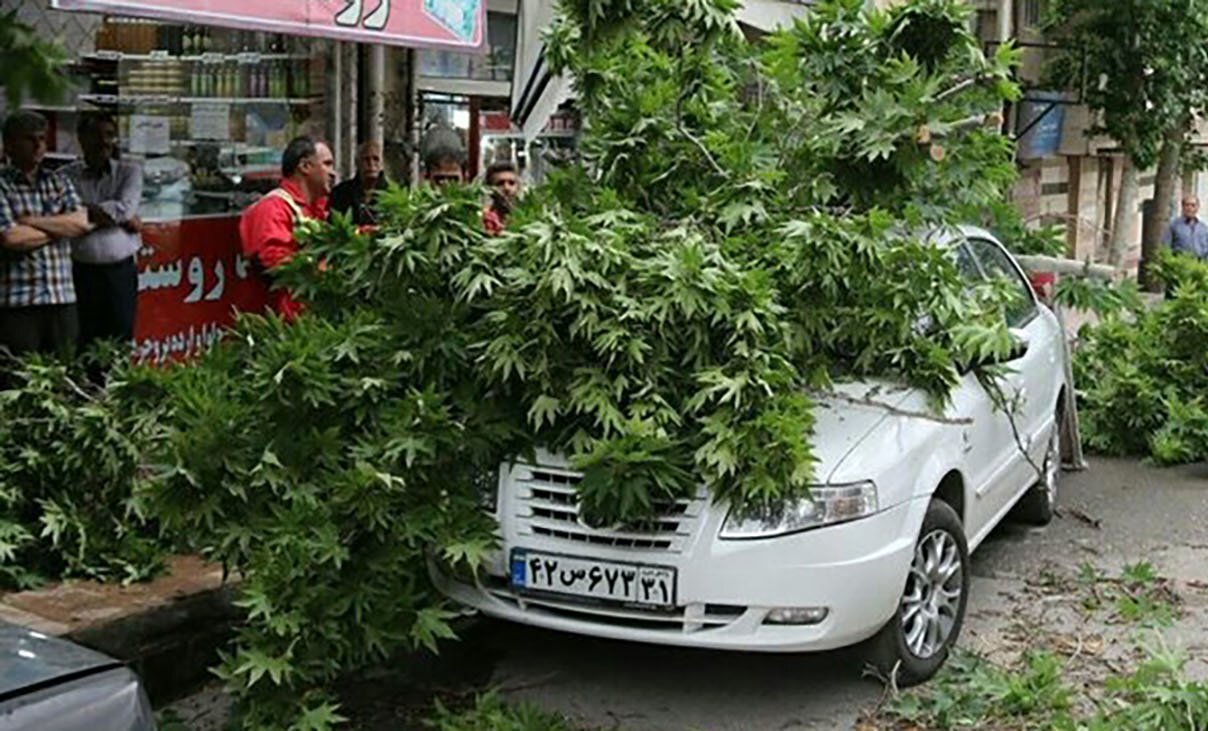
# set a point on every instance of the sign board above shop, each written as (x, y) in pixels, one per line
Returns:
(458, 25)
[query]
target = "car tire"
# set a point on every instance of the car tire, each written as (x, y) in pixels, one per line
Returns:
(1039, 504)
(915, 642)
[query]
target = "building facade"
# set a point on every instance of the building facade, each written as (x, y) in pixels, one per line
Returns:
(1067, 176)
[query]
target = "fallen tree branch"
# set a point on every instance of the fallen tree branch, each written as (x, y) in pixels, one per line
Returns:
(968, 83)
(1058, 265)
(910, 413)
(701, 146)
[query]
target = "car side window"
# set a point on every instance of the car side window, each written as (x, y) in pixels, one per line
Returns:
(996, 264)
(967, 265)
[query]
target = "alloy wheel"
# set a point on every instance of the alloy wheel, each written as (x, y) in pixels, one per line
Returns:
(932, 599)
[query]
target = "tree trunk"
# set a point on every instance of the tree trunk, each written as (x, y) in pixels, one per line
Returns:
(1124, 226)
(1158, 215)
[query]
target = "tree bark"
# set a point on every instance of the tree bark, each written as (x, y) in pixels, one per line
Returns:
(1166, 187)
(1124, 227)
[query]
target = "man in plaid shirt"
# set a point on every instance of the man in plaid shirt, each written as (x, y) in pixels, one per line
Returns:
(40, 213)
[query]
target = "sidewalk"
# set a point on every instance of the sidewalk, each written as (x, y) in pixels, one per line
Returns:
(168, 629)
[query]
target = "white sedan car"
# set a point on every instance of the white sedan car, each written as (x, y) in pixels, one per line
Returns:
(878, 553)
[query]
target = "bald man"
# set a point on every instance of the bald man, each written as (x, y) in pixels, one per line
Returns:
(356, 197)
(1187, 233)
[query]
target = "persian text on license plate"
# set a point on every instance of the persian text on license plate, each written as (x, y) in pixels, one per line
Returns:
(585, 577)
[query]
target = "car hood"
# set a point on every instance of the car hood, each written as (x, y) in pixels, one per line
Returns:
(848, 414)
(29, 658)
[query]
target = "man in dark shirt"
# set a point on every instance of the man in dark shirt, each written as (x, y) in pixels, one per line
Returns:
(356, 197)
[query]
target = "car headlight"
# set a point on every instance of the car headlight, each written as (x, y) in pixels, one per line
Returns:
(825, 505)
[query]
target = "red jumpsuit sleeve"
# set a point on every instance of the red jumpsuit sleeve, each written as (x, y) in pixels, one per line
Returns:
(267, 233)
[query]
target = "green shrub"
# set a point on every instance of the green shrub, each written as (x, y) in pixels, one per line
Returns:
(1141, 373)
(70, 468)
(491, 713)
(307, 457)
(745, 230)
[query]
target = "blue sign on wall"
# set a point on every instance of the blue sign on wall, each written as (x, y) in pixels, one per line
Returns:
(1042, 114)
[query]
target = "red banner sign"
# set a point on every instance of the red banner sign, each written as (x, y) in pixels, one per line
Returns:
(452, 24)
(191, 281)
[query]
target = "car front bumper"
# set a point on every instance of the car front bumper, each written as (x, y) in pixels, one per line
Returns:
(726, 589)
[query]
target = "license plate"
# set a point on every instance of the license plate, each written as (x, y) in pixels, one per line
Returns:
(627, 583)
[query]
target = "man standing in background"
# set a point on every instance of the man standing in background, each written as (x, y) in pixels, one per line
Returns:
(444, 156)
(267, 228)
(40, 213)
(106, 276)
(356, 197)
(504, 183)
(1187, 234)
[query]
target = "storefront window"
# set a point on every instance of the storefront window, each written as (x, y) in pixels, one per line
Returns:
(207, 110)
(496, 65)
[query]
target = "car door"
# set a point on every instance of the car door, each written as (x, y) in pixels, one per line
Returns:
(1030, 380)
(988, 465)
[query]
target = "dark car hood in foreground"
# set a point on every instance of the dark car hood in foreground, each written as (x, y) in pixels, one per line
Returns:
(30, 659)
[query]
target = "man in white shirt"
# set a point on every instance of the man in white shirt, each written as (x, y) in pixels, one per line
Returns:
(105, 273)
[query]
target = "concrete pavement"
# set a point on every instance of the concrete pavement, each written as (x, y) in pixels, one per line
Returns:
(1142, 513)
(1025, 595)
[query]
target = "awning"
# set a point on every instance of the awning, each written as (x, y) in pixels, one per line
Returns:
(537, 93)
(768, 15)
(458, 25)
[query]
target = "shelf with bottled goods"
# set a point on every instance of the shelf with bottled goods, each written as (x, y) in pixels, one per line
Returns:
(210, 57)
(146, 64)
(204, 111)
(154, 100)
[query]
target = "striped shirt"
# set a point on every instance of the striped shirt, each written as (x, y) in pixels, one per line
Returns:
(42, 276)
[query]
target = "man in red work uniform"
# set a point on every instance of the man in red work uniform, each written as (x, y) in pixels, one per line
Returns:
(267, 228)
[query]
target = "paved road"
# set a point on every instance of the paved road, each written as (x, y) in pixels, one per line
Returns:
(1143, 513)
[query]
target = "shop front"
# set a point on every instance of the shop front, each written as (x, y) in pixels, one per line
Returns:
(206, 94)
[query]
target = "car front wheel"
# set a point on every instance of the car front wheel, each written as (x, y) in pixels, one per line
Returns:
(916, 641)
(1039, 504)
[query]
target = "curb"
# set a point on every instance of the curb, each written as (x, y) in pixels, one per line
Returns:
(168, 630)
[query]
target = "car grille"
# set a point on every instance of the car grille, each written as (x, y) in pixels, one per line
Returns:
(547, 505)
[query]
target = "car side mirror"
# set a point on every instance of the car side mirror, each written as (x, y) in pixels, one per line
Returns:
(1019, 348)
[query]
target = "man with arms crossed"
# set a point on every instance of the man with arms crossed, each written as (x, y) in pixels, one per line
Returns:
(40, 213)
(106, 277)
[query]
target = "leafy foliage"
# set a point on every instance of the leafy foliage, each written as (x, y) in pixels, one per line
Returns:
(1142, 376)
(70, 467)
(1139, 64)
(735, 244)
(973, 693)
(1105, 299)
(491, 713)
(1138, 596)
(746, 229)
(314, 460)
(33, 67)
